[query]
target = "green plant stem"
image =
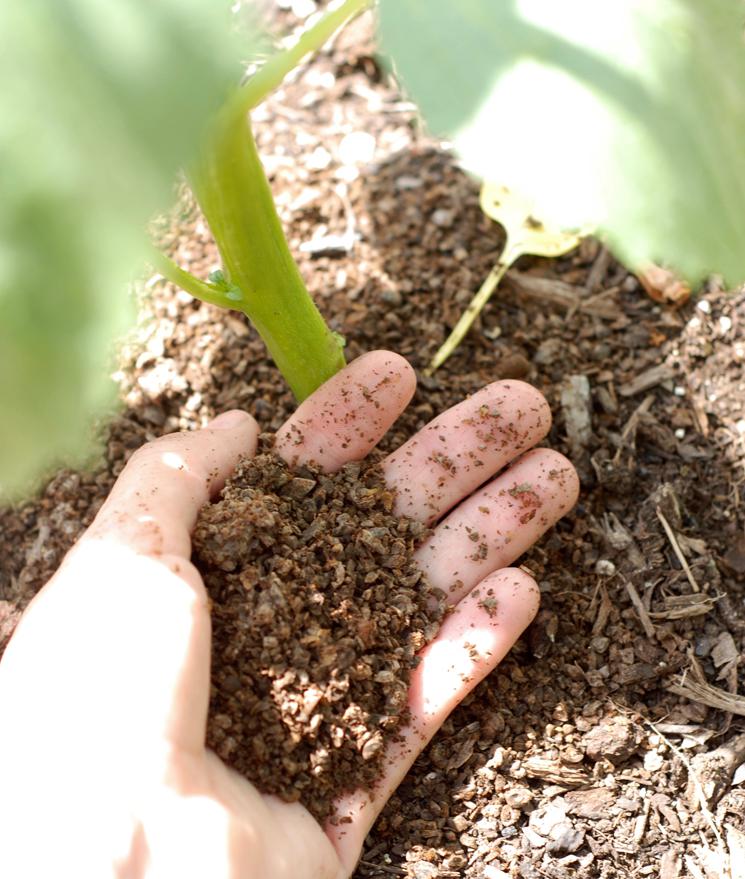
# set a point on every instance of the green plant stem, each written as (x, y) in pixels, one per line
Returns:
(268, 77)
(233, 192)
(475, 306)
(199, 289)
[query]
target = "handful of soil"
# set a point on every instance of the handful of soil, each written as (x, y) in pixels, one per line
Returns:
(318, 612)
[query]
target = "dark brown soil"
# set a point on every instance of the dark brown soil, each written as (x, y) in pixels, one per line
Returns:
(318, 613)
(580, 756)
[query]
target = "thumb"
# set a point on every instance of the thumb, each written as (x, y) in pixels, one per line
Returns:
(154, 503)
(124, 624)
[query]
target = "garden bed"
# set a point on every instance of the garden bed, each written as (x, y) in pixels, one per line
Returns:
(575, 757)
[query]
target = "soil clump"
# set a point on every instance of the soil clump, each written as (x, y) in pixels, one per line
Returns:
(318, 612)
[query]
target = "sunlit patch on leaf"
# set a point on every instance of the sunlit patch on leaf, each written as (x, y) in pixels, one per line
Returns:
(627, 116)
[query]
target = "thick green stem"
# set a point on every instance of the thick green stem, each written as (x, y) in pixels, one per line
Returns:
(235, 197)
(233, 192)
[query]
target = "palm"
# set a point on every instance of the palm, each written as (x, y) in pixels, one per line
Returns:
(178, 809)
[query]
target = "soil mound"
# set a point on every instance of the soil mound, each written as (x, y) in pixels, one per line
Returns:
(318, 613)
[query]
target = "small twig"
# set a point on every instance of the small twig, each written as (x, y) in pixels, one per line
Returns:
(640, 826)
(677, 550)
(598, 271)
(631, 424)
(603, 613)
(705, 694)
(553, 292)
(700, 416)
(598, 299)
(680, 607)
(650, 378)
(700, 795)
(395, 871)
(647, 624)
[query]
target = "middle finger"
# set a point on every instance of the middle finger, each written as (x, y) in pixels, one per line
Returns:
(464, 447)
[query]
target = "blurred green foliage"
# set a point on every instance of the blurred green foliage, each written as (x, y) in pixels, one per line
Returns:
(101, 103)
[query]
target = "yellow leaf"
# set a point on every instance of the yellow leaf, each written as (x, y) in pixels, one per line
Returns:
(525, 232)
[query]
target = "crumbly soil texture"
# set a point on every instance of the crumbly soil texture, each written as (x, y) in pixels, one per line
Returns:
(609, 742)
(318, 613)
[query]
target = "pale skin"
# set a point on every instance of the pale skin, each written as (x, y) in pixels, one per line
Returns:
(104, 687)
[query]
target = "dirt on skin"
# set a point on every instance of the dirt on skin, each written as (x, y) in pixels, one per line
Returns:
(318, 611)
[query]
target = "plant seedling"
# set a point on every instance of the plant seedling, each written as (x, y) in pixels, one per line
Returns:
(259, 275)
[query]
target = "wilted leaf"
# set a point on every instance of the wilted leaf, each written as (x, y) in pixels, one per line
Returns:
(100, 105)
(526, 233)
(626, 115)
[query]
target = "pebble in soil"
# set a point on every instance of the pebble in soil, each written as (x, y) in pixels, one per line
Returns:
(318, 611)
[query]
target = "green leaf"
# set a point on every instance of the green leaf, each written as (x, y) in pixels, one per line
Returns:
(626, 115)
(101, 103)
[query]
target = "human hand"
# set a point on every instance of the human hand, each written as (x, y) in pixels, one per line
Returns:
(104, 687)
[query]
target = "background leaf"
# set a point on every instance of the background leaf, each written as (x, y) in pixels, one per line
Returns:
(101, 103)
(627, 115)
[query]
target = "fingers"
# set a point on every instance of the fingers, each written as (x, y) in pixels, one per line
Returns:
(494, 526)
(154, 503)
(348, 415)
(470, 644)
(463, 447)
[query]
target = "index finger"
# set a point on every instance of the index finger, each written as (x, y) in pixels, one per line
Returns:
(349, 414)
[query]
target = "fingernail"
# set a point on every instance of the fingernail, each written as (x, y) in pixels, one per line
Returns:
(228, 420)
